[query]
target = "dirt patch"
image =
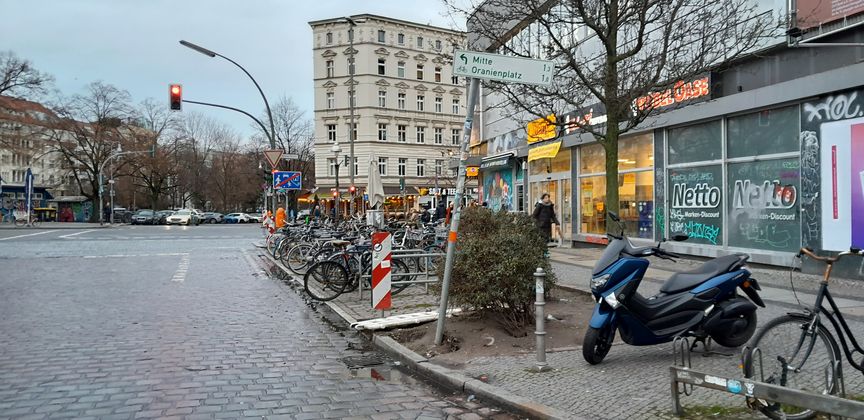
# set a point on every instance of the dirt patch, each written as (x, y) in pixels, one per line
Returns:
(468, 337)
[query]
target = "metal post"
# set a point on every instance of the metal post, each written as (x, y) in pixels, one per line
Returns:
(101, 213)
(473, 96)
(351, 104)
(540, 320)
(111, 199)
(337, 200)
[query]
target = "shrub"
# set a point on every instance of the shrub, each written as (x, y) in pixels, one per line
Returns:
(497, 254)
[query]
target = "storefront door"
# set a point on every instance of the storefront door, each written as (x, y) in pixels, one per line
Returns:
(560, 194)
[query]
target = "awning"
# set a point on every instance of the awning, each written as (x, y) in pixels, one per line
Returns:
(498, 161)
(546, 151)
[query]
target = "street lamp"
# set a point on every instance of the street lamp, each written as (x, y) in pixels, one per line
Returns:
(336, 150)
(271, 135)
(353, 127)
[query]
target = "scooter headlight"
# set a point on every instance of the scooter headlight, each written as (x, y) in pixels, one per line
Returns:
(611, 300)
(599, 282)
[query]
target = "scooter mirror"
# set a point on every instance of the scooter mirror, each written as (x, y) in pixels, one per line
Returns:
(679, 237)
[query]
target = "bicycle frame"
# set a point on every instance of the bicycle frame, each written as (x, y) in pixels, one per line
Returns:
(838, 322)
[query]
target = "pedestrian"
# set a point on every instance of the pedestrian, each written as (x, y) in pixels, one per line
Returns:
(544, 216)
(280, 218)
(440, 211)
(317, 213)
(449, 214)
(425, 216)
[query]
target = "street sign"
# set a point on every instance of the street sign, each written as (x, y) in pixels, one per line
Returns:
(273, 156)
(287, 180)
(503, 68)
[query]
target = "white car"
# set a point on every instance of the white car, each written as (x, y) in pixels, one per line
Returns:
(237, 218)
(184, 217)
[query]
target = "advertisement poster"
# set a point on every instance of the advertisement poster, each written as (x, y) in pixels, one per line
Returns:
(763, 205)
(695, 203)
(812, 13)
(841, 154)
(498, 189)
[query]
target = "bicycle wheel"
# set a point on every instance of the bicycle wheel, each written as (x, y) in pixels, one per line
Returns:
(298, 258)
(281, 248)
(325, 280)
(20, 221)
(785, 344)
(397, 268)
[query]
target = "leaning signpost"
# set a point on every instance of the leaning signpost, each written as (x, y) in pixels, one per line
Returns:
(476, 66)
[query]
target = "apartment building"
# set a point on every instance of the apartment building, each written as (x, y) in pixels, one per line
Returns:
(408, 107)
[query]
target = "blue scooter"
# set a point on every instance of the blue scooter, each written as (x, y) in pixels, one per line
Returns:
(700, 303)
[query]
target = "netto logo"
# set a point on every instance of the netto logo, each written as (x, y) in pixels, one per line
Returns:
(769, 195)
(699, 196)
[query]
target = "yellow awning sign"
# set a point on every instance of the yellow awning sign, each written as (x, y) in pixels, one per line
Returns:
(546, 151)
(541, 129)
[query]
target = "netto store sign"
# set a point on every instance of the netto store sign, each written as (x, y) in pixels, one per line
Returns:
(699, 196)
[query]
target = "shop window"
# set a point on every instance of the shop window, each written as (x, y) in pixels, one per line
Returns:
(695, 203)
(695, 143)
(762, 204)
(762, 133)
(634, 152)
(636, 204)
(560, 163)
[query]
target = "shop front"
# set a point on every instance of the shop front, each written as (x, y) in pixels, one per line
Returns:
(498, 182)
(549, 172)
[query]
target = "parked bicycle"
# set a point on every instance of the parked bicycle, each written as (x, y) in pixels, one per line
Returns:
(21, 219)
(799, 351)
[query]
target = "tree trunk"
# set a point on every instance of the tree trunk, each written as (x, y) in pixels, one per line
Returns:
(612, 199)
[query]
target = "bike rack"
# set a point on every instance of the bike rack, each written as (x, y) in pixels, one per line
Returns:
(406, 254)
(757, 392)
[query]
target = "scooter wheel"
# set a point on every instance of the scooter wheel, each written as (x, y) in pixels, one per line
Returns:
(741, 331)
(597, 343)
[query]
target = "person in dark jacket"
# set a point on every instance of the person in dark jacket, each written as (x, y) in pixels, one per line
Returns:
(544, 216)
(440, 211)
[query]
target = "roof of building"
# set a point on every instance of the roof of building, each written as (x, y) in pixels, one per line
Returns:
(22, 110)
(387, 19)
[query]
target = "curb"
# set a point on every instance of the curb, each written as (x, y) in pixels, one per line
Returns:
(455, 380)
(448, 378)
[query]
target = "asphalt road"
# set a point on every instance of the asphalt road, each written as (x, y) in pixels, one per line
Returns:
(160, 322)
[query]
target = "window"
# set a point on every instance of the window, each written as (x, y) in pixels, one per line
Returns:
(382, 166)
(421, 167)
(420, 42)
(331, 132)
(331, 166)
(400, 69)
(329, 66)
(439, 104)
(635, 185)
(420, 99)
(763, 133)
(331, 100)
(381, 36)
(400, 100)
(421, 134)
(402, 163)
(400, 39)
(456, 106)
(356, 166)
(382, 99)
(354, 131)
(353, 98)
(439, 135)
(419, 72)
(401, 131)
(439, 166)
(382, 132)
(454, 80)
(438, 44)
(329, 38)
(695, 143)
(381, 66)
(454, 136)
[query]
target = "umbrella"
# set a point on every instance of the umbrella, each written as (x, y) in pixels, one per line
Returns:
(375, 189)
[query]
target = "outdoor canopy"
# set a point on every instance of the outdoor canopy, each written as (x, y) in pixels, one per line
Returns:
(375, 189)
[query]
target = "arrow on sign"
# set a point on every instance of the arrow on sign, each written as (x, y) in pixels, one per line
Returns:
(464, 59)
(273, 156)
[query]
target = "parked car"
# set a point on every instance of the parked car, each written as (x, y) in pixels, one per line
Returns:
(122, 215)
(185, 217)
(144, 217)
(162, 216)
(254, 217)
(237, 218)
(212, 217)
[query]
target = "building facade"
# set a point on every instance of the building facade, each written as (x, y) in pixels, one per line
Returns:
(408, 107)
(25, 143)
(763, 157)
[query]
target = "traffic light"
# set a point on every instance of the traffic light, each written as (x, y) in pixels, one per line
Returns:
(352, 189)
(176, 97)
(335, 194)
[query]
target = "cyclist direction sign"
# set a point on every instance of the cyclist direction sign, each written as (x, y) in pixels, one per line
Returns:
(503, 68)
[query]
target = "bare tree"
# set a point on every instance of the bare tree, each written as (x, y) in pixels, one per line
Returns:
(155, 170)
(19, 78)
(89, 128)
(613, 52)
(198, 137)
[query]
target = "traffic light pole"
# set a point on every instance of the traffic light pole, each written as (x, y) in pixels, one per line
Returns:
(99, 176)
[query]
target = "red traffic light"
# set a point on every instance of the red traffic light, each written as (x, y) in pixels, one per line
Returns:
(352, 189)
(335, 193)
(176, 97)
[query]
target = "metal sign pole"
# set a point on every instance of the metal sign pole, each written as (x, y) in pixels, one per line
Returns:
(473, 98)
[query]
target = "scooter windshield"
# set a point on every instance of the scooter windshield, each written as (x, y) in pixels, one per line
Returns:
(611, 254)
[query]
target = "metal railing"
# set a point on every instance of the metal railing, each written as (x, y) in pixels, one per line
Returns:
(428, 274)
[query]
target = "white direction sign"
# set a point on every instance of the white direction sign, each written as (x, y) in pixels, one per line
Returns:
(503, 68)
(273, 156)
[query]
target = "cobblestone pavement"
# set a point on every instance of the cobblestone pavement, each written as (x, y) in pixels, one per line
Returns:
(155, 322)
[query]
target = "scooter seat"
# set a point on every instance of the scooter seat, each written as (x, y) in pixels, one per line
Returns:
(712, 268)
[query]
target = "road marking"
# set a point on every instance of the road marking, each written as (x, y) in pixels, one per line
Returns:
(76, 233)
(166, 254)
(182, 268)
(29, 234)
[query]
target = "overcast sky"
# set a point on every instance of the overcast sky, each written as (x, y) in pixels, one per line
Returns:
(133, 44)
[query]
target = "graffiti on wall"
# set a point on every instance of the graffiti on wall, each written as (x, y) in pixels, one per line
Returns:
(659, 188)
(498, 189)
(696, 202)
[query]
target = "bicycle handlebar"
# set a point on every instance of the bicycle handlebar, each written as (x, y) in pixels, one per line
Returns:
(829, 260)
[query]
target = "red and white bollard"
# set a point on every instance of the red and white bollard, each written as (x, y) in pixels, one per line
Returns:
(382, 247)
